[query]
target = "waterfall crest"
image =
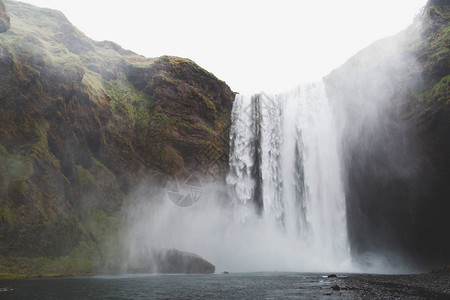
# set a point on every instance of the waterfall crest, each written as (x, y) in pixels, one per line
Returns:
(284, 161)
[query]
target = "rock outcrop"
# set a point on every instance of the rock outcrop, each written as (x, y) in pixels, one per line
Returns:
(5, 23)
(165, 261)
(395, 148)
(175, 261)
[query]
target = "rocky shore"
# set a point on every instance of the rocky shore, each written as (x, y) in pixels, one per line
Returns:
(433, 285)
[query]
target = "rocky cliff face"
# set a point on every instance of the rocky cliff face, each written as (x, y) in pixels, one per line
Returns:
(4, 18)
(84, 122)
(395, 148)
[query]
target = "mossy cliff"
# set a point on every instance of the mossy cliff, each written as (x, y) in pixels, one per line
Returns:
(82, 124)
(396, 147)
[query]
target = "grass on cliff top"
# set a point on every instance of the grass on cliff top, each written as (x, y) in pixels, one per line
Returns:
(47, 39)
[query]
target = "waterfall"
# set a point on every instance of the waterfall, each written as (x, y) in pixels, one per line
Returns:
(284, 162)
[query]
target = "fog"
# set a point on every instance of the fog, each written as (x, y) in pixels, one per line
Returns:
(233, 237)
(383, 172)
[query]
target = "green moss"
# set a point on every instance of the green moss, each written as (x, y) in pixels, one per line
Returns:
(40, 149)
(440, 43)
(18, 189)
(209, 103)
(434, 51)
(52, 275)
(98, 223)
(128, 103)
(179, 65)
(44, 206)
(102, 254)
(204, 128)
(6, 217)
(102, 167)
(85, 178)
(163, 78)
(429, 102)
(159, 127)
(11, 276)
(14, 170)
(440, 92)
(94, 84)
(82, 260)
(170, 159)
(177, 122)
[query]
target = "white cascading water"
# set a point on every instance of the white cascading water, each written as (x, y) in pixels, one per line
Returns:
(284, 161)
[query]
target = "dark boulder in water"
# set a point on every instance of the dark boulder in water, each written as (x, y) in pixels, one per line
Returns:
(175, 261)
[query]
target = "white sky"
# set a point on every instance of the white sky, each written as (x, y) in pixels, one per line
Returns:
(252, 45)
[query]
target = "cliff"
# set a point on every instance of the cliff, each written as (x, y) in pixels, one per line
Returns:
(395, 148)
(83, 124)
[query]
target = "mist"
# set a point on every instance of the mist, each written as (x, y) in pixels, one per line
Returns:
(319, 181)
(283, 206)
(230, 235)
(383, 170)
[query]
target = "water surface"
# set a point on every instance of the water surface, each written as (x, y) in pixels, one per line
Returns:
(217, 286)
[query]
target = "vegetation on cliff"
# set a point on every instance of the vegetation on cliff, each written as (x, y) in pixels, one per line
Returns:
(83, 123)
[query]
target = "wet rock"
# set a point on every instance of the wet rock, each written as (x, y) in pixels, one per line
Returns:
(332, 276)
(176, 261)
(226, 272)
(335, 288)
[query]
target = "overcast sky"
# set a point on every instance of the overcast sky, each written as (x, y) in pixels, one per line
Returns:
(252, 45)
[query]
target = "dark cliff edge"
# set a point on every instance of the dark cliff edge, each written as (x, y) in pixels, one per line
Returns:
(83, 124)
(396, 148)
